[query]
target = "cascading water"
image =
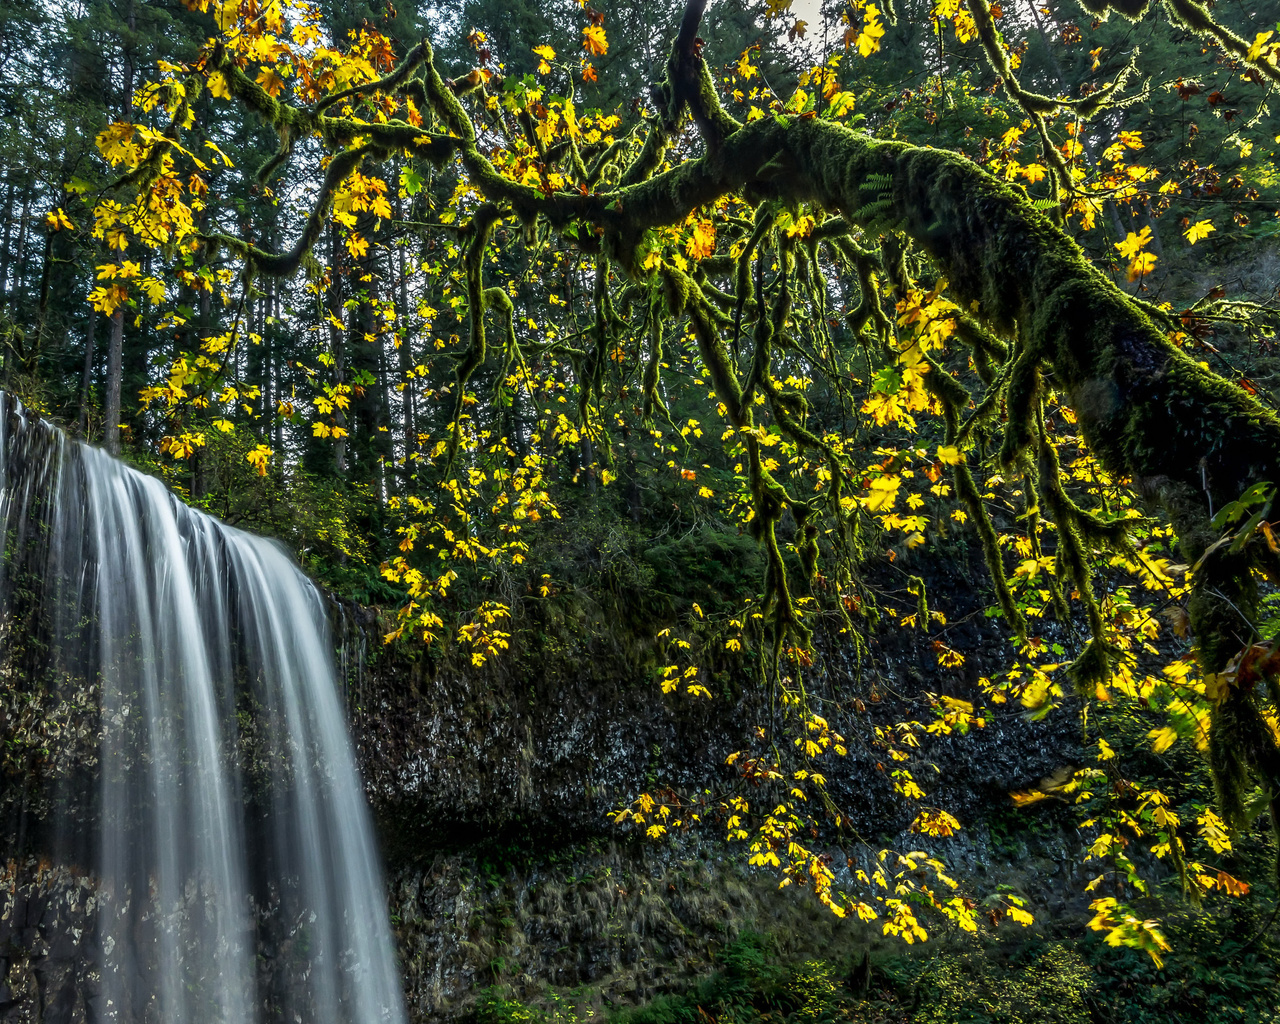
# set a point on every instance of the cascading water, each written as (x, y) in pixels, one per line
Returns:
(237, 877)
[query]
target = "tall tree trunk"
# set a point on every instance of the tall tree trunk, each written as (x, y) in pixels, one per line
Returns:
(111, 410)
(130, 63)
(33, 353)
(21, 273)
(6, 254)
(86, 377)
(115, 347)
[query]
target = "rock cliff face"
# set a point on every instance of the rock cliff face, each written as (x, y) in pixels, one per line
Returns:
(492, 789)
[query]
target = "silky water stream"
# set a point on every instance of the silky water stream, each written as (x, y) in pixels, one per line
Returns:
(221, 813)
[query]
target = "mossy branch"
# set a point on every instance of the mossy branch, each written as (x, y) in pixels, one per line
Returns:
(1196, 17)
(478, 300)
(412, 60)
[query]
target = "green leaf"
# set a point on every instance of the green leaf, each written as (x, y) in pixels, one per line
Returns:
(887, 381)
(1247, 531)
(1262, 491)
(410, 181)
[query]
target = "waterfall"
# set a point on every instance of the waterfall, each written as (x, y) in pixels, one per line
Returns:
(237, 876)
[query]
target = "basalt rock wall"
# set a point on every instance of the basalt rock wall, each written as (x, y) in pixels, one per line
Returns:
(494, 788)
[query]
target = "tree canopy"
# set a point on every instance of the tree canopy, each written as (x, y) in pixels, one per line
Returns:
(858, 287)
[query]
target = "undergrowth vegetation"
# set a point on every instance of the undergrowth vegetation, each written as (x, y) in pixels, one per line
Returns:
(1222, 970)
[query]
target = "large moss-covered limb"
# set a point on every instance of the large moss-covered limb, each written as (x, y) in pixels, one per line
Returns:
(274, 162)
(1196, 17)
(294, 123)
(1242, 749)
(526, 200)
(987, 409)
(1227, 762)
(1095, 662)
(481, 228)
(989, 352)
(1106, 534)
(1033, 104)
(783, 415)
(281, 116)
(723, 300)
(649, 159)
(1108, 97)
(608, 160)
(285, 264)
(689, 84)
(746, 304)
(1223, 611)
(951, 394)
(786, 407)
(771, 499)
(145, 174)
(1145, 408)
(780, 311)
(1034, 519)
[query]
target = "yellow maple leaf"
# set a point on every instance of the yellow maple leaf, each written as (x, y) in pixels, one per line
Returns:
(1134, 243)
(1198, 230)
(872, 31)
(57, 219)
(153, 288)
(227, 14)
(1141, 265)
(702, 240)
(594, 41)
(1258, 47)
(258, 457)
(269, 80)
(218, 85)
(545, 54)
(882, 494)
(1162, 739)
